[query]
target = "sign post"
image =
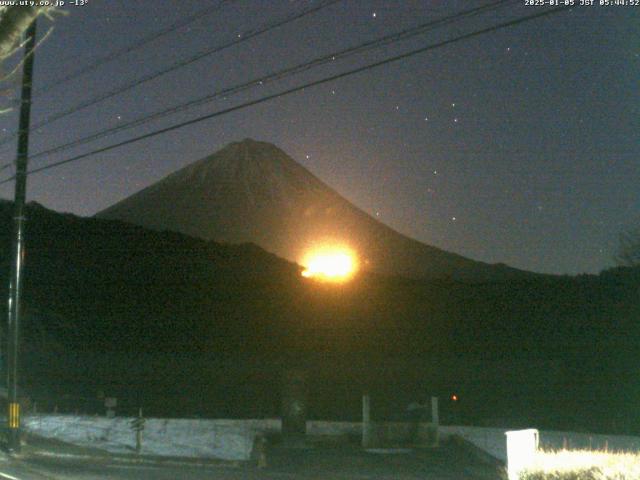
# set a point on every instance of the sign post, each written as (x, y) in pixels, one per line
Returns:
(137, 425)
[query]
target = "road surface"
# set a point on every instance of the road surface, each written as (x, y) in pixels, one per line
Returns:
(336, 462)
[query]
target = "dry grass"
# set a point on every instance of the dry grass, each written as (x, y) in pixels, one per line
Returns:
(584, 465)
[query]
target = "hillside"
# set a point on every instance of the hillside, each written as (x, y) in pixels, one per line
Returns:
(172, 322)
(254, 192)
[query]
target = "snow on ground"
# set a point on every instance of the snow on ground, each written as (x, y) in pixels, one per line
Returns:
(221, 439)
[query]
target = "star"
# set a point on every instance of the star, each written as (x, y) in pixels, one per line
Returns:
(453, 219)
(374, 14)
(455, 120)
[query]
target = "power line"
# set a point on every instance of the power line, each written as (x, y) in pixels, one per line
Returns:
(243, 37)
(279, 75)
(300, 88)
(123, 51)
(136, 46)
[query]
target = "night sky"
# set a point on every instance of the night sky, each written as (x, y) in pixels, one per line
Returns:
(518, 146)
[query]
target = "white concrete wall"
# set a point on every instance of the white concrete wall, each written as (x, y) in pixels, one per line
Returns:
(222, 439)
(382, 431)
(204, 438)
(233, 439)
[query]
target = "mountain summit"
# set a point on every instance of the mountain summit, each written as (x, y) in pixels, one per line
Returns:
(252, 191)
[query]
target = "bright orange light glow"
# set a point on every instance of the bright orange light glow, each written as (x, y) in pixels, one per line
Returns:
(336, 264)
(454, 397)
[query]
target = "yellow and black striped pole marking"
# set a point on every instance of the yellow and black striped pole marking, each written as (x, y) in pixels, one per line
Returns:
(14, 415)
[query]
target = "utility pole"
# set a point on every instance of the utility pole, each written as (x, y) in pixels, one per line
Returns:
(15, 287)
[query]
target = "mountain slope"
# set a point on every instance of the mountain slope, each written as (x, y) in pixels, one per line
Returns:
(180, 326)
(253, 192)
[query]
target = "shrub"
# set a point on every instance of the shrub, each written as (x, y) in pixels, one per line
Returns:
(584, 465)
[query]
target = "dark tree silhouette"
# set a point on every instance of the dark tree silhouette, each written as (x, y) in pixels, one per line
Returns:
(14, 21)
(629, 249)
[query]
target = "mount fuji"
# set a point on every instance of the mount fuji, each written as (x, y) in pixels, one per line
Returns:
(252, 191)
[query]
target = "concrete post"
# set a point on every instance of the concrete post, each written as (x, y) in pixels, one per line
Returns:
(111, 403)
(139, 428)
(435, 421)
(435, 414)
(522, 446)
(294, 407)
(366, 421)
